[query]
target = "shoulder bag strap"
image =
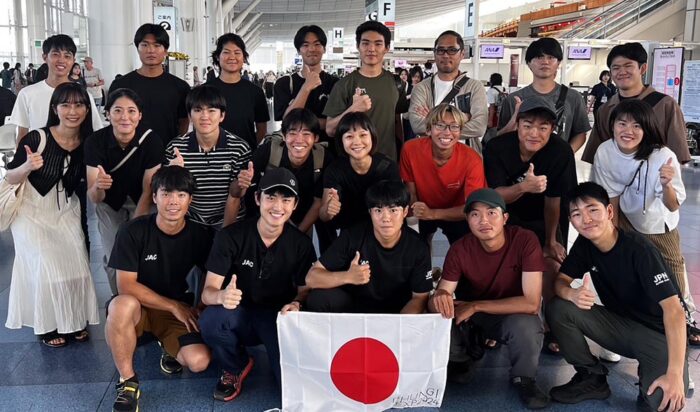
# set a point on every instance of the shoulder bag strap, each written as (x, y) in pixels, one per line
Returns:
(131, 152)
(455, 89)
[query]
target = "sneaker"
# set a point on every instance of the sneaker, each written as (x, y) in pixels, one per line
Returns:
(691, 384)
(127, 397)
(169, 364)
(581, 387)
(229, 385)
(609, 356)
(460, 372)
(531, 395)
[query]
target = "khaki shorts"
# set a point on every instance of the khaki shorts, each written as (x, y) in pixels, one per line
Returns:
(167, 329)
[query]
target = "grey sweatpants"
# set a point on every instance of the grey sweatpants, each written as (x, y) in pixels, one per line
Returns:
(627, 337)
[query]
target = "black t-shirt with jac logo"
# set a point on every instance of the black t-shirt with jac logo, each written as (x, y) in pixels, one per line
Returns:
(630, 279)
(161, 261)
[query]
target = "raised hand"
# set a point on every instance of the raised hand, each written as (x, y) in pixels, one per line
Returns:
(511, 126)
(231, 297)
(245, 177)
(177, 160)
(360, 102)
(421, 211)
(34, 160)
(334, 204)
(358, 274)
(533, 183)
(311, 79)
(584, 297)
(104, 180)
(667, 172)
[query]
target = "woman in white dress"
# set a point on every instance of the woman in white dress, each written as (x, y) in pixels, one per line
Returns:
(51, 289)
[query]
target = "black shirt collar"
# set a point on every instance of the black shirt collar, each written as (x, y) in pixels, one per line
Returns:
(193, 145)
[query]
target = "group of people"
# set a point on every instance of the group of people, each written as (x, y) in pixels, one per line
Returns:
(207, 231)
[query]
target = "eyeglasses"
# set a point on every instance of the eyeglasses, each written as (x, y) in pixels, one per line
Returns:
(442, 127)
(451, 51)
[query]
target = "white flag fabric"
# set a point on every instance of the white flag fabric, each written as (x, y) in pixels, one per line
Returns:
(362, 362)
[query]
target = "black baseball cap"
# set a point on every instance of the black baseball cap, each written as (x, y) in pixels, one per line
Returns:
(279, 177)
(487, 196)
(538, 102)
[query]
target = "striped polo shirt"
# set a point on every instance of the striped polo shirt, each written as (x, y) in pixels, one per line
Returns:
(213, 170)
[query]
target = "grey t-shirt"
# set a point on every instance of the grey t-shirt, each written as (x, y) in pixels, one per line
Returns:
(574, 120)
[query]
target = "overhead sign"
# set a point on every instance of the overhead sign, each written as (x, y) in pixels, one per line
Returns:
(386, 12)
(580, 52)
(338, 35)
(667, 71)
(492, 51)
(471, 19)
(164, 17)
(690, 102)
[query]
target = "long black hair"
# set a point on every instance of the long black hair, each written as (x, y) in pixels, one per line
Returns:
(642, 113)
(71, 93)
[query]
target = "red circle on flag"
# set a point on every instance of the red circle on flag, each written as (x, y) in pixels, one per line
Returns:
(365, 370)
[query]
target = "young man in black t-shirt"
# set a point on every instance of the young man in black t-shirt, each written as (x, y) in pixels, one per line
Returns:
(643, 317)
(377, 267)
(255, 270)
(153, 255)
(310, 87)
(163, 94)
(532, 171)
(299, 153)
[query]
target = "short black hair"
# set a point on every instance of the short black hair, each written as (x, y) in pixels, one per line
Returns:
(633, 51)
(304, 30)
(58, 42)
(542, 115)
(71, 92)
(222, 41)
(604, 73)
(156, 30)
(351, 121)
(545, 45)
(587, 190)
(299, 118)
(415, 70)
(375, 26)
(642, 113)
(387, 193)
(173, 179)
(6, 65)
(496, 79)
(428, 65)
(205, 96)
(123, 92)
(460, 40)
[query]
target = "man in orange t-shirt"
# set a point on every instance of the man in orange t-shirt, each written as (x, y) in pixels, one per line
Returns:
(440, 173)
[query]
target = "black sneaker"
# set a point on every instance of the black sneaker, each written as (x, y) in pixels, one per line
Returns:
(229, 385)
(460, 372)
(531, 395)
(581, 387)
(127, 397)
(169, 364)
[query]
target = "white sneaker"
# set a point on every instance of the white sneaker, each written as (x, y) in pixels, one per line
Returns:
(691, 384)
(609, 356)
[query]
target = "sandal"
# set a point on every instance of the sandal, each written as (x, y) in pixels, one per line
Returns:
(693, 336)
(53, 340)
(550, 344)
(80, 336)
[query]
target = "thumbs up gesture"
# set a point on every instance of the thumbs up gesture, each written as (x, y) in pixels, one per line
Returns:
(333, 203)
(360, 102)
(584, 297)
(34, 160)
(177, 160)
(667, 172)
(312, 79)
(104, 181)
(231, 297)
(245, 177)
(358, 274)
(533, 183)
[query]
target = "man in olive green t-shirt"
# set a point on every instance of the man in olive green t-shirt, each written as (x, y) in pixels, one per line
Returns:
(370, 89)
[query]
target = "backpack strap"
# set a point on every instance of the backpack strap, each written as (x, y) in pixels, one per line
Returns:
(653, 98)
(562, 99)
(276, 149)
(131, 152)
(319, 153)
(42, 141)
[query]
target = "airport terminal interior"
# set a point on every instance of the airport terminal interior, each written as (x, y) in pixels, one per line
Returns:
(82, 376)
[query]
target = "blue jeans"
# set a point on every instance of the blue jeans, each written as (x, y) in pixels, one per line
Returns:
(228, 331)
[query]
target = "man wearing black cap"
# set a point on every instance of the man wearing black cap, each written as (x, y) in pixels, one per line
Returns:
(255, 270)
(532, 171)
(495, 272)
(543, 57)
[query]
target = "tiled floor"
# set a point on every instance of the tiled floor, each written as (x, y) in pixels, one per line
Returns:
(81, 377)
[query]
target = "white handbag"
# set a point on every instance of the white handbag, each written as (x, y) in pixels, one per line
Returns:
(11, 195)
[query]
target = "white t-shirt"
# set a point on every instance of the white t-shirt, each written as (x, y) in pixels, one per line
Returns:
(31, 109)
(442, 88)
(92, 77)
(639, 188)
(492, 94)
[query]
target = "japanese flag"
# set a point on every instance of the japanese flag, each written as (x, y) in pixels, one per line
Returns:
(359, 362)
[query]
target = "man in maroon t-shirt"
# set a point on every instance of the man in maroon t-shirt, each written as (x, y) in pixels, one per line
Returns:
(495, 272)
